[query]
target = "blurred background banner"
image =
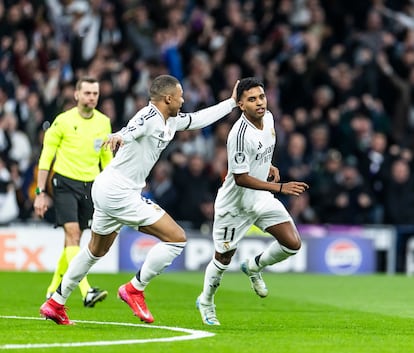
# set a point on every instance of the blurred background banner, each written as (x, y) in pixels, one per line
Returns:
(341, 250)
(37, 248)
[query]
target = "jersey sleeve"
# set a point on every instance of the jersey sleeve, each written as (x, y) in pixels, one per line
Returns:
(51, 141)
(135, 128)
(204, 117)
(238, 153)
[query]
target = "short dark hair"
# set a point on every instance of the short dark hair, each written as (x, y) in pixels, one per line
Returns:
(246, 83)
(85, 79)
(161, 86)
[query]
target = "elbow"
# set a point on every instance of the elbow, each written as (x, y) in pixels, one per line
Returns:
(239, 179)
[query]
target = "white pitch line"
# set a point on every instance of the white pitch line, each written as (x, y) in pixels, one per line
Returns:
(192, 335)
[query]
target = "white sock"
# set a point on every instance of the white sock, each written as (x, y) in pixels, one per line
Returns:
(212, 278)
(77, 270)
(158, 258)
(273, 254)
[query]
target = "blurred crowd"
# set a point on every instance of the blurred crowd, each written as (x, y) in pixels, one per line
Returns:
(339, 78)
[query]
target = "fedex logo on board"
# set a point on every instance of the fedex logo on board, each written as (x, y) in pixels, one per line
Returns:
(17, 256)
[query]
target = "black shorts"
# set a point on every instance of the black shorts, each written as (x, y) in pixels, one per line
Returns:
(72, 201)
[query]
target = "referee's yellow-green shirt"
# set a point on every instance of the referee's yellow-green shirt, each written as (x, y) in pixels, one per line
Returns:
(76, 144)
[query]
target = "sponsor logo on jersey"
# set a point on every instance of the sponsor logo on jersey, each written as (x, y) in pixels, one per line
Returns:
(266, 155)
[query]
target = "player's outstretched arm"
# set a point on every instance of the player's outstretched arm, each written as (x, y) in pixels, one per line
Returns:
(207, 116)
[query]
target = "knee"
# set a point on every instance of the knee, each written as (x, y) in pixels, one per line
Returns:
(179, 235)
(291, 249)
(296, 244)
(224, 258)
(98, 251)
(293, 243)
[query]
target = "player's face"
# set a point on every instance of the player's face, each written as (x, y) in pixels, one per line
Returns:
(253, 103)
(87, 96)
(175, 100)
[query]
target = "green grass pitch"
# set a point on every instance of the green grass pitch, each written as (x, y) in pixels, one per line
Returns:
(304, 313)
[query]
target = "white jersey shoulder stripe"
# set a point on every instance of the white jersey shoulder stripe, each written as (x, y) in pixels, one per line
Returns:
(150, 114)
(240, 136)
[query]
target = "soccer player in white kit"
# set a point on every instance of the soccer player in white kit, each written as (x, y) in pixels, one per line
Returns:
(118, 201)
(246, 198)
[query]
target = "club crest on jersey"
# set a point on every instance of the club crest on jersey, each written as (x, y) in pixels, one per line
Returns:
(162, 143)
(239, 157)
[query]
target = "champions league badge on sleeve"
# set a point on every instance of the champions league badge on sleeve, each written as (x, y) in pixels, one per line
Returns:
(239, 157)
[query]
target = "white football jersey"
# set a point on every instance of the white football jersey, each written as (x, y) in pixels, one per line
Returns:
(249, 150)
(147, 134)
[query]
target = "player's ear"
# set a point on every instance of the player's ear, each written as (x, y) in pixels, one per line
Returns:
(240, 104)
(76, 95)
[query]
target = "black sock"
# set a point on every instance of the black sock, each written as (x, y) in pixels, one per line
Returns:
(257, 259)
(138, 276)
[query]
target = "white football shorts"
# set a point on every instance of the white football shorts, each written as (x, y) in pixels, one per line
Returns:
(116, 205)
(229, 229)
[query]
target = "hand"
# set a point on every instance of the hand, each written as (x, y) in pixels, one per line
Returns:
(274, 175)
(114, 141)
(293, 188)
(234, 93)
(41, 204)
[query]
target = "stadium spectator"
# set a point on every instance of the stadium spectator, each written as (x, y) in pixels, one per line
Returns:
(9, 208)
(20, 149)
(71, 158)
(301, 210)
(399, 197)
(195, 185)
(161, 187)
(323, 181)
(399, 206)
(350, 200)
(294, 161)
(375, 166)
(319, 143)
